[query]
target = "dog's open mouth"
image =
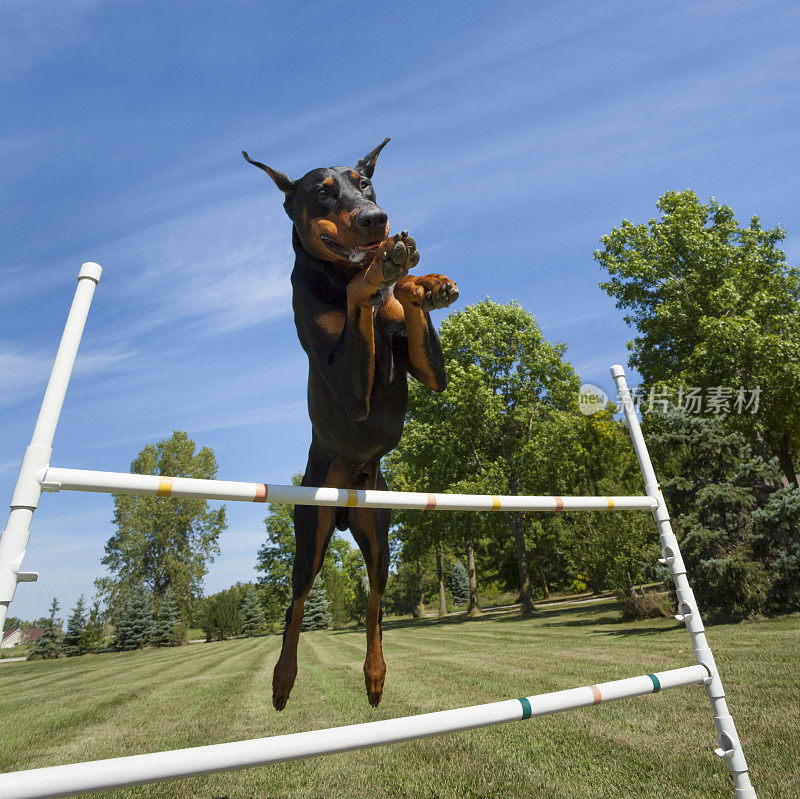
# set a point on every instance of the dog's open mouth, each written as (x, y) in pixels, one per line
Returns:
(354, 254)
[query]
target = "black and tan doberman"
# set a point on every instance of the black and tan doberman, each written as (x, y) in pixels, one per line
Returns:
(364, 323)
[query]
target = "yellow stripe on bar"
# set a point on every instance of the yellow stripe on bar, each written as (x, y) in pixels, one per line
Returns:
(495, 502)
(610, 503)
(164, 487)
(352, 498)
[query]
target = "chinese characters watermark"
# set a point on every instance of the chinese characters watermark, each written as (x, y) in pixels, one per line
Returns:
(714, 400)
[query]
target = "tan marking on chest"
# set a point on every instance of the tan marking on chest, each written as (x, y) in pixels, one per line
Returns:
(392, 309)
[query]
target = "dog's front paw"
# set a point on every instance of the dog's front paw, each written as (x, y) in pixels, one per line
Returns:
(398, 254)
(428, 292)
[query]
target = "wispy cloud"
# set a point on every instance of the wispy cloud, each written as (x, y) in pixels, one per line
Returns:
(28, 36)
(25, 371)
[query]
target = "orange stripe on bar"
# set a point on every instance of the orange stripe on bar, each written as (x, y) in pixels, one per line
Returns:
(610, 503)
(596, 694)
(261, 492)
(352, 498)
(495, 502)
(164, 487)
(431, 502)
(559, 504)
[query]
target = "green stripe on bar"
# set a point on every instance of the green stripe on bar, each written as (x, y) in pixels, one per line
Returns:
(656, 683)
(527, 710)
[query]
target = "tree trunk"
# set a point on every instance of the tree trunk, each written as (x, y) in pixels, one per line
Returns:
(421, 603)
(473, 609)
(628, 584)
(786, 460)
(525, 596)
(440, 575)
(543, 578)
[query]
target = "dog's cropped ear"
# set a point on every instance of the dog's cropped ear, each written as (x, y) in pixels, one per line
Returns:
(366, 166)
(283, 182)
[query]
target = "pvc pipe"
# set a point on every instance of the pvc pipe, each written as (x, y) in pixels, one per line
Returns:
(119, 772)
(25, 499)
(729, 746)
(57, 479)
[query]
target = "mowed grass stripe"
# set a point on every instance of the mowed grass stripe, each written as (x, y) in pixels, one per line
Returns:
(72, 711)
(660, 745)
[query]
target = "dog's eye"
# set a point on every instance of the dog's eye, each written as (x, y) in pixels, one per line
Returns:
(365, 184)
(322, 190)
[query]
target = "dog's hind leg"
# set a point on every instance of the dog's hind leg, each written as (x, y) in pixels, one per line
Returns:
(370, 529)
(313, 527)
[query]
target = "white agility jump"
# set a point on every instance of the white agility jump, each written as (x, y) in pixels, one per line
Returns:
(36, 475)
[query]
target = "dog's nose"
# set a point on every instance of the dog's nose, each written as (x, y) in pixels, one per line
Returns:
(371, 217)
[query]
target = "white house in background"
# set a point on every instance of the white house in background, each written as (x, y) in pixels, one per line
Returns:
(11, 638)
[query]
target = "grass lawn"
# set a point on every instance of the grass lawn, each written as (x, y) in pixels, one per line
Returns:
(656, 746)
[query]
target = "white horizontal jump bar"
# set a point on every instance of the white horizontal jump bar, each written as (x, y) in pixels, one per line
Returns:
(56, 479)
(119, 772)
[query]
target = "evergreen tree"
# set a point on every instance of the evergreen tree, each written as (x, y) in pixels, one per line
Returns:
(736, 528)
(72, 644)
(165, 627)
(48, 645)
(459, 583)
(135, 627)
(253, 617)
(92, 638)
(317, 615)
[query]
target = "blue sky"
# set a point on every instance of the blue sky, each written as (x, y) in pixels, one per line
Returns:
(521, 133)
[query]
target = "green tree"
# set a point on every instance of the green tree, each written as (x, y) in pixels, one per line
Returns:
(608, 550)
(459, 583)
(355, 572)
(714, 305)
(72, 643)
(134, 629)
(416, 534)
(274, 563)
(506, 423)
(254, 620)
(48, 645)
(163, 542)
(316, 615)
(166, 630)
(275, 558)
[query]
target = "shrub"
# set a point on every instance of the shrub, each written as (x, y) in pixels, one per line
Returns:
(221, 617)
(647, 605)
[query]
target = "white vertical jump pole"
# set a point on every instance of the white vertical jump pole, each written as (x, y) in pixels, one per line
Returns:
(730, 747)
(25, 499)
